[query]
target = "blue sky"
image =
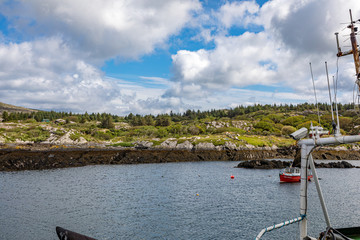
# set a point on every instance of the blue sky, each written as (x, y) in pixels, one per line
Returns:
(169, 55)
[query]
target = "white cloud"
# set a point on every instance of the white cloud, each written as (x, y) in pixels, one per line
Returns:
(237, 13)
(54, 62)
(103, 28)
(45, 72)
(229, 64)
(295, 33)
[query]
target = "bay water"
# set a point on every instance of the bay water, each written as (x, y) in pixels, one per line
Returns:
(189, 200)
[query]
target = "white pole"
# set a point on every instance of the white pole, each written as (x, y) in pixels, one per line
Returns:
(318, 188)
(303, 191)
(306, 146)
(337, 112)
(317, 105)
(331, 103)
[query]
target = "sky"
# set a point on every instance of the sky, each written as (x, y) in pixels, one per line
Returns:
(153, 57)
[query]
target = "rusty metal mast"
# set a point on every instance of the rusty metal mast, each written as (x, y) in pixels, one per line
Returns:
(354, 48)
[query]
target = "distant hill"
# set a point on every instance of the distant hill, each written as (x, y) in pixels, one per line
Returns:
(11, 108)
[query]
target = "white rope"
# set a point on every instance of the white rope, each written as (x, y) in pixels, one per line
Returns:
(283, 224)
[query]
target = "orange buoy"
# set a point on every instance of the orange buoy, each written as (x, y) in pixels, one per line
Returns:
(232, 177)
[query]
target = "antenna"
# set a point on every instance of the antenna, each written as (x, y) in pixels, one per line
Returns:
(337, 132)
(333, 123)
(317, 106)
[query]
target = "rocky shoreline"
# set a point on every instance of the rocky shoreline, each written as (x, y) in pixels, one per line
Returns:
(38, 157)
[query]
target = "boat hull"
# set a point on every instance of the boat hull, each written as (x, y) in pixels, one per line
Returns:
(65, 234)
(352, 232)
(291, 178)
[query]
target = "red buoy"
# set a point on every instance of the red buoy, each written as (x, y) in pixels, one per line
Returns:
(232, 177)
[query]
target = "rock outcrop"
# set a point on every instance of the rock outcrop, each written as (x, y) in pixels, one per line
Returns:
(264, 164)
(342, 164)
(277, 164)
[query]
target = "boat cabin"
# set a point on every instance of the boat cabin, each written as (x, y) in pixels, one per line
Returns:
(292, 170)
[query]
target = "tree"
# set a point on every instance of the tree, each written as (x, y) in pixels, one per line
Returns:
(5, 116)
(107, 122)
(163, 120)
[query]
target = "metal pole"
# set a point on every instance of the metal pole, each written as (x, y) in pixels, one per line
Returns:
(317, 106)
(331, 103)
(336, 109)
(355, 50)
(318, 188)
(303, 191)
(338, 45)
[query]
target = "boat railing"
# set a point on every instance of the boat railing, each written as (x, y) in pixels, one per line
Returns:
(279, 225)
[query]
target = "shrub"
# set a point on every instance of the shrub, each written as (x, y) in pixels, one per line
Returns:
(313, 117)
(36, 134)
(255, 141)
(75, 136)
(161, 133)
(346, 123)
(279, 126)
(293, 121)
(306, 124)
(145, 131)
(59, 132)
(107, 123)
(276, 118)
(194, 130)
(102, 136)
(218, 130)
(287, 130)
(163, 120)
(266, 119)
(265, 126)
(30, 120)
(73, 119)
(176, 129)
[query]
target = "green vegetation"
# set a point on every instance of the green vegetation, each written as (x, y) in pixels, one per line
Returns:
(258, 125)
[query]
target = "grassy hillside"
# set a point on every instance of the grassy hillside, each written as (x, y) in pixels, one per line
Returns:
(258, 125)
(11, 109)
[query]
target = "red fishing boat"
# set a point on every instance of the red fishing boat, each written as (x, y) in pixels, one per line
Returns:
(292, 174)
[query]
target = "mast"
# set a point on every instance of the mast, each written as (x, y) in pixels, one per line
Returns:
(354, 47)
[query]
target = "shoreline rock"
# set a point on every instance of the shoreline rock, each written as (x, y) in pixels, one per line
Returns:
(18, 157)
(39, 158)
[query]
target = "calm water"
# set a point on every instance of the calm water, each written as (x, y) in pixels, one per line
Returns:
(168, 201)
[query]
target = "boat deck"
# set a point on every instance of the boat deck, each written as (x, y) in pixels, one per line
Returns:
(353, 232)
